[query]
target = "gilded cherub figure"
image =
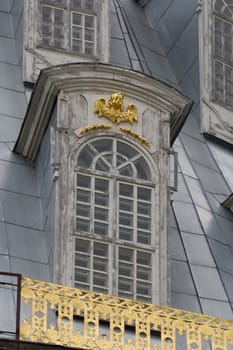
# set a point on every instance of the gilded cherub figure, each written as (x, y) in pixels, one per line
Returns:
(113, 109)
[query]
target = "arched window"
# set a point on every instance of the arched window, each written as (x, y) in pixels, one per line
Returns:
(223, 52)
(115, 233)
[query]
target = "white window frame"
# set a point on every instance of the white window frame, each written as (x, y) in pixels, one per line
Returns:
(37, 56)
(216, 116)
(113, 240)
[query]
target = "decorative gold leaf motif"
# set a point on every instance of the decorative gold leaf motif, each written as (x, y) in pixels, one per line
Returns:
(93, 127)
(113, 109)
(72, 317)
(136, 136)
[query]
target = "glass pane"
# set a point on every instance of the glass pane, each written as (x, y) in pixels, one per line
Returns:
(46, 28)
(58, 32)
(89, 21)
(77, 33)
(125, 219)
(82, 225)
(83, 181)
(82, 275)
(126, 190)
(126, 170)
(81, 285)
(89, 35)
(126, 254)
(144, 208)
(89, 48)
(87, 154)
(100, 279)
(82, 260)
(83, 210)
(82, 245)
(100, 264)
(77, 19)
(126, 150)
(143, 288)
(101, 214)
(46, 14)
(78, 47)
(125, 284)
(144, 223)
(103, 145)
(144, 258)
(126, 204)
(120, 160)
(126, 270)
(143, 273)
(144, 193)
(142, 169)
(144, 237)
(76, 4)
(125, 233)
(83, 196)
(58, 3)
(101, 185)
(100, 289)
(90, 5)
(46, 40)
(101, 165)
(58, 16)
(100, 249)
(100, 228)
(101, 199)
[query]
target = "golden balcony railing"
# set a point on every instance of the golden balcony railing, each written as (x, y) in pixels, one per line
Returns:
(71, 317)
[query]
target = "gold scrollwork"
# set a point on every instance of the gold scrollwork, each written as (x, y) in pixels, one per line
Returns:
(72, 317)
(94, 127)
(113, 109)
(137, 136)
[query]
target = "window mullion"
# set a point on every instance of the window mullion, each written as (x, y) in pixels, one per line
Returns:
(91, 264)
(135, 275)
(92, 205)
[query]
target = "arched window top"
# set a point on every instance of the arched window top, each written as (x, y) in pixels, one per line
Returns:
(115, 157)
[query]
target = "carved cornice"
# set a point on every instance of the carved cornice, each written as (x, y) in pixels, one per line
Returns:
(78, 77)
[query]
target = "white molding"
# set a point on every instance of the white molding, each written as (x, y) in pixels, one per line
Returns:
(87, 77)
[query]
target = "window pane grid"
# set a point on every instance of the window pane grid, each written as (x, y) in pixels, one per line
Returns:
(134, 216)
(91, 265)
(91, 216)
(134, 274)
(126, 215)
(223, 56)
(52, 27)
(80, 37)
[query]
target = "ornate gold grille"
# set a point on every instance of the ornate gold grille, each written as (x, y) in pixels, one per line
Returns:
(72, 317)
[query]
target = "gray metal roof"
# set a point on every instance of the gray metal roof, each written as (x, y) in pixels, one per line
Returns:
(164, 43)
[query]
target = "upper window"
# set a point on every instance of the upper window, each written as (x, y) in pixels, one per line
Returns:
(64, 31)
(216, 68)
(69, 25)
(223, 52)
(114, 230)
